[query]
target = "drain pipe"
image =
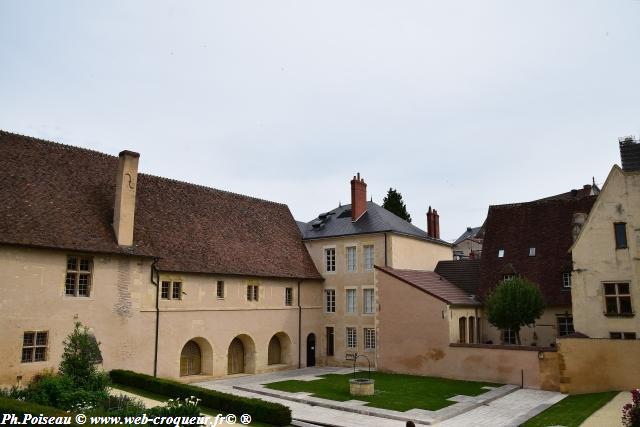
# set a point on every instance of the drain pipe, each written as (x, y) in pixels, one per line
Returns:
(155, 280)
(299, 328)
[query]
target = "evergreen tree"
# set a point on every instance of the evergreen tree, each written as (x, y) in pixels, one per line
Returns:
(393, 203)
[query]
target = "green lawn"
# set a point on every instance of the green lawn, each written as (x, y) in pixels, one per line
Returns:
(393, 391)
(205, 410)
(572, 410)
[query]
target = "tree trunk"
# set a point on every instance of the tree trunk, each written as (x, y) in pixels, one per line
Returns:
(518, 336)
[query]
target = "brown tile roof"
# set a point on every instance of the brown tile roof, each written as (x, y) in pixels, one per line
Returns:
(464, 273)
(59, 196)
(545, 225)
(433, 284)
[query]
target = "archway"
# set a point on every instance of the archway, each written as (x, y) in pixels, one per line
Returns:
(190, 359)
(279, 350)
(462, 330)
(311, 350)
(241, 355)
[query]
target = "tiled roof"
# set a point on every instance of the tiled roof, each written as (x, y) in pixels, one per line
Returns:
(58, 196)
(586, 190)
(469, 233)
(433, 284)
(377, 219)
(464, 273)
(545, 225)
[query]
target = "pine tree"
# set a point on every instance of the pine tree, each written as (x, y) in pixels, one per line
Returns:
(393, 203)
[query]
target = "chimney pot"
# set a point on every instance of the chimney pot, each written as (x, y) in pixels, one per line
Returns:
(125, 203)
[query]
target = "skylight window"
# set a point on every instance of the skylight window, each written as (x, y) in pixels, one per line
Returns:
(532, 251)
(500, 253)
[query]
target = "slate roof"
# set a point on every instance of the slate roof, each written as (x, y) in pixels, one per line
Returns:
(433, 284)
(59, 196)
(377, 219)
(464, 273)
(469, 233)
(545, 225)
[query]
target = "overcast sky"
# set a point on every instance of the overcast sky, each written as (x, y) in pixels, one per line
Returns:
(458, 105)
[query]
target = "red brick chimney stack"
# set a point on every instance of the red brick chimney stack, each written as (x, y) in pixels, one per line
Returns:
(430, 222)
(358, 197)
(436, 224)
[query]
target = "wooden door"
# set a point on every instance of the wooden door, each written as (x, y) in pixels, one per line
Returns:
(235, 358)
(190, 359)
(311, 350)
(274, 351)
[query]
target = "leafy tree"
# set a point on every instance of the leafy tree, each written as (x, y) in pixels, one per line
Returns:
(81, 358)
(514, 303)
(393, 203)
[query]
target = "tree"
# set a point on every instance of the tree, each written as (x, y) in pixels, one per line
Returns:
(393, 203)
(81, 358)
(514, 303)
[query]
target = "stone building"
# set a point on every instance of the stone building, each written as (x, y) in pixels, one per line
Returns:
(469, 244)
(172, 278)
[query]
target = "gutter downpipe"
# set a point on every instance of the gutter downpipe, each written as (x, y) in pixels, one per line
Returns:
(155, 279)
(299, 328)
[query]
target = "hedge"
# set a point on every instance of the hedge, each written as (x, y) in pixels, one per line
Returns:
(21, 408)
(260, 410)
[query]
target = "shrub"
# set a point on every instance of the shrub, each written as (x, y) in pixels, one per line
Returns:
(631, 411)
(61, 392)
(260, 410)
(21, 408)
(81, 358)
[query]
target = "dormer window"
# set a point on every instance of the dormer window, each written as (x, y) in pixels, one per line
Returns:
(500, 253)
(532, 251)
(566, 280)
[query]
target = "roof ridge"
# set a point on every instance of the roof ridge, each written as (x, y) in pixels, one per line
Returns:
(57, 144)
(205, 187)
(541, 201)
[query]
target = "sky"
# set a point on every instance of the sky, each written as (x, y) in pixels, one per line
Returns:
(456, 104)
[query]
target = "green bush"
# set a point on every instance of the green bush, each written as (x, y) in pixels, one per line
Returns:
(260, 410)
(21, 408)
(60, 391)
(81, 358)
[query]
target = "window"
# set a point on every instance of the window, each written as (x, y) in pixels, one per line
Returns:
(368, 257)
(532, 251)
(508, 336)
(622, 335)
(288, 296)
(253, 292)
(620, 229)
(566, 280)
(565, 325)
(617, 299)
(78, 279)
(506, 277)
(351, 259)
(500, 253)
(176, 290)
(351, 301)
(330, 259)
(34, 346)
(352, 338)
(330, 300)
(171, 290)
(330, 341)
(369, 338)
(368, 301)
(472, 329)
(462, 330)
(220, 289)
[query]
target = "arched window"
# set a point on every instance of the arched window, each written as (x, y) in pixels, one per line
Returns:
(462, 330)
(472, 330)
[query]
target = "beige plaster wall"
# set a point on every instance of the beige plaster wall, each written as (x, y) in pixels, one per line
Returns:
(594, 365)
(414, 338)
(543, 334)
(468, 245)
(121, 313)
(596, 259)
(416, 254)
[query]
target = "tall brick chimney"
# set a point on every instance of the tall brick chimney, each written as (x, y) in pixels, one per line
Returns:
(433, 223)
(125, 205)
(358, 197)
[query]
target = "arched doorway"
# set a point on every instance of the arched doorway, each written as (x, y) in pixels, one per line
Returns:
(311, 350)
(274, 351)
(190, 359)
(235, 357)
(462, 330)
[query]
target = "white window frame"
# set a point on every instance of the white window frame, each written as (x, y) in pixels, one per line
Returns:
(369, 257)
(351, 337)
(288, 296)
(171, 290)
(329, 300)
(32, 348)
(351, 307)
(566, 280)
(351, 253)
(500, 253)
(74, 276)
(368, 307)
(329, 260)
(369, 338)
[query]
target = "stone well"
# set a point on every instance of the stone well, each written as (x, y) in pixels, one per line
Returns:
(361, 387)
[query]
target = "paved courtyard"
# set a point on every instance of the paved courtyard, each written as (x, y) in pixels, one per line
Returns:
(502, 406)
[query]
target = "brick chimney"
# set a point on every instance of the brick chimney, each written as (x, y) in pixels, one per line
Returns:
(125, 205)
(358, 197)
(433, 223)
(629, 153)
